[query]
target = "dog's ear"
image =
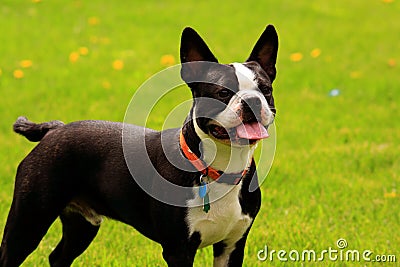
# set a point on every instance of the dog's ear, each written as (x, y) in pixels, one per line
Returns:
(193, 48)
(194, 51)
(265, 51)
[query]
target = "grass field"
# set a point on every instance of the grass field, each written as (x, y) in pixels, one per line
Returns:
(337, 164)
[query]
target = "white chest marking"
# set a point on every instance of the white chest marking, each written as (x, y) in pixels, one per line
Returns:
(224, 221)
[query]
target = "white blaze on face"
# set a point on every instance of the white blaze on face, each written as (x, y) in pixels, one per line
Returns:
(245, 77)
(248, 88)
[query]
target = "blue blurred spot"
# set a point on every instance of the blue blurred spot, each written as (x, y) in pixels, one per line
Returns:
(334, 92)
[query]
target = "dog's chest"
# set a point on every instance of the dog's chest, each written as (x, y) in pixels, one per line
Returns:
(224, 221)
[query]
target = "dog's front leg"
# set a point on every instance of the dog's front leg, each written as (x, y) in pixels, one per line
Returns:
(179, 249)
(229, 255)
(179, 256)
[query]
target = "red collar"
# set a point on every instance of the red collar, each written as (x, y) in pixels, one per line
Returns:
(216, 175)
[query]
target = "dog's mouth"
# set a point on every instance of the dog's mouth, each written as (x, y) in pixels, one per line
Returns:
(246, 133)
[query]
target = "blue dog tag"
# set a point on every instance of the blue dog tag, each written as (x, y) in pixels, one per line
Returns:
(204, 195)
(203, 189)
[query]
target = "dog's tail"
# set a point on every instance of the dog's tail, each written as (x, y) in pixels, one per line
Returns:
(34, 132)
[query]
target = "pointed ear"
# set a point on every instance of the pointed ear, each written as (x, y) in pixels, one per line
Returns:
(193, 48)
(265, 51)
(194, 55)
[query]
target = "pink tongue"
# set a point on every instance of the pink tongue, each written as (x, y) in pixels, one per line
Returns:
(254, 130)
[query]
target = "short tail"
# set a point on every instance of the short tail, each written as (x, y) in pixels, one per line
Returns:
(34, 132)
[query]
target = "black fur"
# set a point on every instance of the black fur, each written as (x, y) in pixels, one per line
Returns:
(32, 131)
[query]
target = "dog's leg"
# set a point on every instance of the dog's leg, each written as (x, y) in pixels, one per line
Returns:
(180, 252)
(229, 255)
(179, 256)
(26, 225)
(78, 233)
(34, 208)
(221, 254)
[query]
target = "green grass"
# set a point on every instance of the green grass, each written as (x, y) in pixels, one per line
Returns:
(337, 164)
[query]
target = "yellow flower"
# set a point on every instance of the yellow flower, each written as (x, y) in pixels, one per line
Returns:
(295, 57)
(73, 57)
(18, 74)
(118, 64)
(83, 50)
(315, 53)
(390, 195)
(387, 1)
(36, 1)
(392, 62)
(1, 72)
(93, 21)
(26, 63)
(167, 60)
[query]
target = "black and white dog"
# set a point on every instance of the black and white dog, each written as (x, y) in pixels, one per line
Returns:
(184, 188)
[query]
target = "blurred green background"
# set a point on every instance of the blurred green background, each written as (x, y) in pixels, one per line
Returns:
(336, 168)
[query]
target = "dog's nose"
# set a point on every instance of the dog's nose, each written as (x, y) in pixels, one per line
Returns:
(251, 108)
(253, 104)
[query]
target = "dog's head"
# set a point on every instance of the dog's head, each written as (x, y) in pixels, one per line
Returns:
(233, 103)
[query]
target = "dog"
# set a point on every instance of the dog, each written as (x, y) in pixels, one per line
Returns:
(185, 188)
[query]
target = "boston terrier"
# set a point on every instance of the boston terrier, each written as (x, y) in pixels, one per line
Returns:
(185, 188)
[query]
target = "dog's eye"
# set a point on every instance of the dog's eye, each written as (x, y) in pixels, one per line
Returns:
(267, 92)
(224, 93)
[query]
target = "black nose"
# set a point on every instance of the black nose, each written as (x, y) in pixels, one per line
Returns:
(251, 109)
(252, 103)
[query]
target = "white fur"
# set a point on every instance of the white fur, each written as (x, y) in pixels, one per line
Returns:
(220, 156)
(85, 210)
(223, 259)
(223, 222)
(246, 77)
